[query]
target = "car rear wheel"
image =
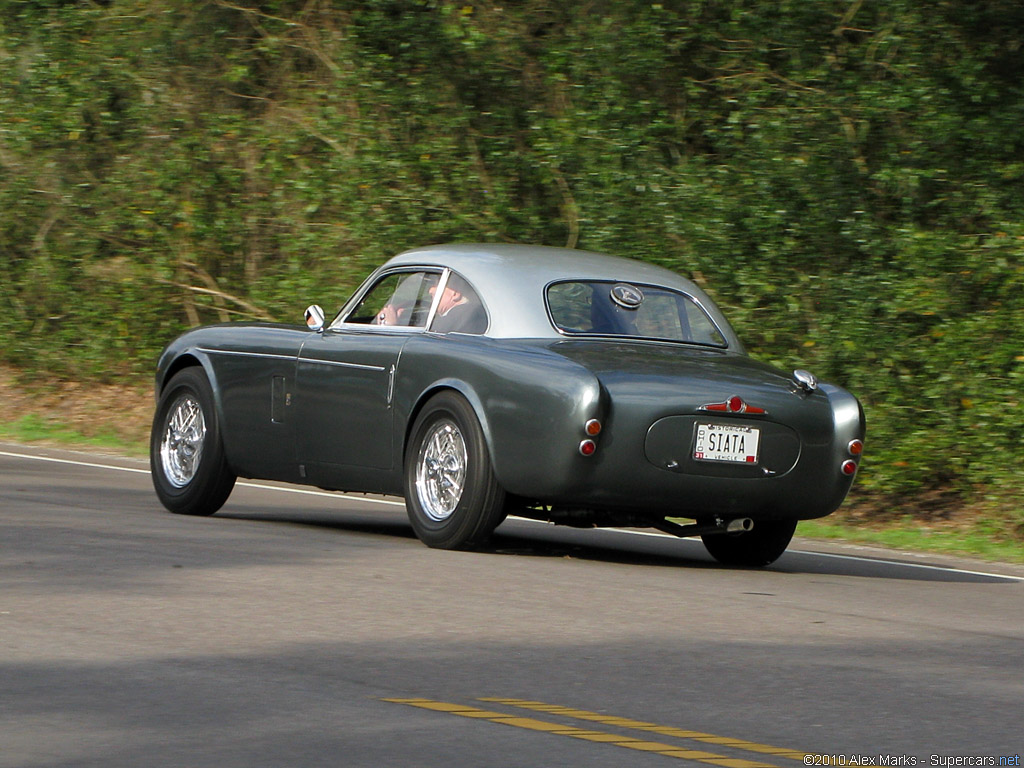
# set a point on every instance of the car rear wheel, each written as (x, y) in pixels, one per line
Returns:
(452, 496)
(760, 546)
(186, 456)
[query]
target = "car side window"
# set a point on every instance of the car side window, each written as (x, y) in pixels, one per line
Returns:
(702, 328)
(569, 304)
(397, 299)
(459, 309)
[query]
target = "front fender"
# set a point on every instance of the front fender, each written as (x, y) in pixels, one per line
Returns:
(184, 352)
(244, 364)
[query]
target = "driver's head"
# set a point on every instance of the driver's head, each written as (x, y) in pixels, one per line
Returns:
(453, 294)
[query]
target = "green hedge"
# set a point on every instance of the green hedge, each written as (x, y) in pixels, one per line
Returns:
(844, 177)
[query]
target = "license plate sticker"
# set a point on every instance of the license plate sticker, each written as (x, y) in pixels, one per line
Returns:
(730, 443)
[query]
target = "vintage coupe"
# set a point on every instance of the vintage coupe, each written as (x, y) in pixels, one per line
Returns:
(482, 380)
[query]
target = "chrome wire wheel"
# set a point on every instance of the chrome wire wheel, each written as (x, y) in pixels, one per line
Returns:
(452, 495)
(441, 470)
(190, 471)
(181, 448)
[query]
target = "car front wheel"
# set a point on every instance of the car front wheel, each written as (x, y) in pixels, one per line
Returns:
(762, 545)
(452, 496)
(186, 456)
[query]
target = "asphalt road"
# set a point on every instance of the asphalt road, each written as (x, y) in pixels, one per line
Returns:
(309, 629)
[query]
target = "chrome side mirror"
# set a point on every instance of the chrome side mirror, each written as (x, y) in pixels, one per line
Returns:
(315, 317)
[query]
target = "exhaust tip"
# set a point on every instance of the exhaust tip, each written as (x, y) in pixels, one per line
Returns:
(739, 525)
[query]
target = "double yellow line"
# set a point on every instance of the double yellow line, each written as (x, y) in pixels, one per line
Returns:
(626, 742)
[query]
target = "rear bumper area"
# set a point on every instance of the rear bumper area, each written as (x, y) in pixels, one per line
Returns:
(655, 473)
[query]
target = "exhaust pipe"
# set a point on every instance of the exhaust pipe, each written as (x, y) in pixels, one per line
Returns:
(736, 525)
(739, 525)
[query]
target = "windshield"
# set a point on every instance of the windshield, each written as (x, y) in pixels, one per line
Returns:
(605, 308)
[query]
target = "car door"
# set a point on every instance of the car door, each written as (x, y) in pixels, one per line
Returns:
(345, 382)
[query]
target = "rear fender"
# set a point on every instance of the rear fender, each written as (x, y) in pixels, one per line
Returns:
(456, 385)
(532, 411)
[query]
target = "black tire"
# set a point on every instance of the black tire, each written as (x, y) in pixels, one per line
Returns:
(186, 454)
(453, 499)
(758, 547)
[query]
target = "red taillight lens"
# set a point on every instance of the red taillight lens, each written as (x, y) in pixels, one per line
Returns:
(593, 427)
(856, 447)
(849, 467)
(736, 404)
(587, 447)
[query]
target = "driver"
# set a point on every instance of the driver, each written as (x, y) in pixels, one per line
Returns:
(458, 310)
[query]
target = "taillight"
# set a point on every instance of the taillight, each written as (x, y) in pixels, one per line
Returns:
(587, 447)
(849, 467)
(734, 404)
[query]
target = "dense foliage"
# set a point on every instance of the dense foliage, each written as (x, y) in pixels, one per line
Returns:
(844, 176)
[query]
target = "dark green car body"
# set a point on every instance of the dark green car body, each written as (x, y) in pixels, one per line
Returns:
(334, 407)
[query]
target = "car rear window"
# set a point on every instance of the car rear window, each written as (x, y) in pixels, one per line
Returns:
(605, 308)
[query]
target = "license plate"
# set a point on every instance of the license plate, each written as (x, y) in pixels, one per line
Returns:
(726, 442)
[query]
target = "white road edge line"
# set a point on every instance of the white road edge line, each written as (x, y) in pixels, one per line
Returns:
(904, 564)
(55, 460)
(856, 558)
(387, 502)
(261, 486)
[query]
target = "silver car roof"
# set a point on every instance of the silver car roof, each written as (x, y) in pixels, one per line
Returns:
(511, 280)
